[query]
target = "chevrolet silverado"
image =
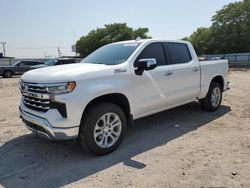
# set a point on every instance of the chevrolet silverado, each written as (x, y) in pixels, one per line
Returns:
(97, 99)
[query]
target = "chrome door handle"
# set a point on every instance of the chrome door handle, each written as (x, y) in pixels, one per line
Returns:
(195, 70)
(168, 74)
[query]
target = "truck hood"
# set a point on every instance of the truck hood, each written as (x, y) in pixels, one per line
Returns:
(61, 73)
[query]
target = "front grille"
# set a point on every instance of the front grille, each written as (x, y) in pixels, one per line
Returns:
(35, 96)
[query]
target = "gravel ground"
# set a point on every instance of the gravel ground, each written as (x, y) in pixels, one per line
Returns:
(182, 147)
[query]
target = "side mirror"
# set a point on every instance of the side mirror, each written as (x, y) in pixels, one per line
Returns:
(145, 65)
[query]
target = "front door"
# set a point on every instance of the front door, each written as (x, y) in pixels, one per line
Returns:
(152, 89)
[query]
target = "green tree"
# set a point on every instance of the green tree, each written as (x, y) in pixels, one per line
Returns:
(231, 28)
(201, 40)
(229, 33)
(110, 33)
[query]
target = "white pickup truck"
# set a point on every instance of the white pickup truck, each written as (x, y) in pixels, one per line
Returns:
(98, 98)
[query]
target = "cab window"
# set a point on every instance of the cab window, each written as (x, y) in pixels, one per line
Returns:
(154, 50)
(178, 53)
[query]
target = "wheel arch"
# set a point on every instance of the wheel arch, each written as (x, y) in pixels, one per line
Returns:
(206, 85)
(117, 98)
(219, 79)
(8, 70)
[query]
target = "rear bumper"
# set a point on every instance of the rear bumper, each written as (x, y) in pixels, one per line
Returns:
(43, 128)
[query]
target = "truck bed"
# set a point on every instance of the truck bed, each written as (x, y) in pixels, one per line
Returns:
(209, 69)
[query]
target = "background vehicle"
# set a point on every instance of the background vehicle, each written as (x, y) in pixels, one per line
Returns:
(53, 62)
(98, 98)
(17, 68)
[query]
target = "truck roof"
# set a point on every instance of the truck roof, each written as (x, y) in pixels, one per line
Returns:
(150, 40)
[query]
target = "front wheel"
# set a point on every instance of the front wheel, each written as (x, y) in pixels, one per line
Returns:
(102, 128)
(213, 98)
(7, 74)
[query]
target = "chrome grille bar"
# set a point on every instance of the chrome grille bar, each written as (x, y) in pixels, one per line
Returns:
(35, 95)
(35, 105)
(36, 100)
(36, 89)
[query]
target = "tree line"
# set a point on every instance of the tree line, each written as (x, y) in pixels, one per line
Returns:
(110, 33)
(229, 33)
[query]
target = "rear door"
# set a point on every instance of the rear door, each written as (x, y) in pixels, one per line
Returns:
(21, 67)
(152, 89)
(186, 72)
(26, 66)
(31, 63)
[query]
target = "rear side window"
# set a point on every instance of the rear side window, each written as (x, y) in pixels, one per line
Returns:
(64, 62)
(154, 50)
(178, 53)
(61, 62)
(69, 62)
(35, 63)
(30, 63)
(22, 63)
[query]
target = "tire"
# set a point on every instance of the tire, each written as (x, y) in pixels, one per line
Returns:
(98, 137)
(7, 74)
(213, 99)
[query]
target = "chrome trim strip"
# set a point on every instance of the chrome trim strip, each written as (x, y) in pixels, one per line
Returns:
(36, 106)
(37, 90)
(35, 95)
(36, 100)
(44, 85)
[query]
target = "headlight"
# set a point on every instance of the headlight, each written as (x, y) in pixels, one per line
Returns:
(61, 88)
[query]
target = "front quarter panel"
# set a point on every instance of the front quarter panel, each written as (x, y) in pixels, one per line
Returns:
(88, 89)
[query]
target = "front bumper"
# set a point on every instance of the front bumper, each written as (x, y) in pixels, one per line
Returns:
(43, 128)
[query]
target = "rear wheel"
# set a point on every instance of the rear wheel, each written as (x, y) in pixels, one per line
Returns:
(7, 74)
(213, 98)
(102, 128)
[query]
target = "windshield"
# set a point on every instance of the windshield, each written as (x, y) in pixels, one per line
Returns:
(112, 54)
(16, 64)
(51, 62)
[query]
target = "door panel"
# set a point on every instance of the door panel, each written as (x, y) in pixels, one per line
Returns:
(152, 89)
(186, 72)
(186, 81)
(22, 67)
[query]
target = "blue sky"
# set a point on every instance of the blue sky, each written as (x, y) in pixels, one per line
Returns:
(32, 28)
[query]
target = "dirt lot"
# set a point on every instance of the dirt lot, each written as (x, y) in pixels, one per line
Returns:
(183, 147)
